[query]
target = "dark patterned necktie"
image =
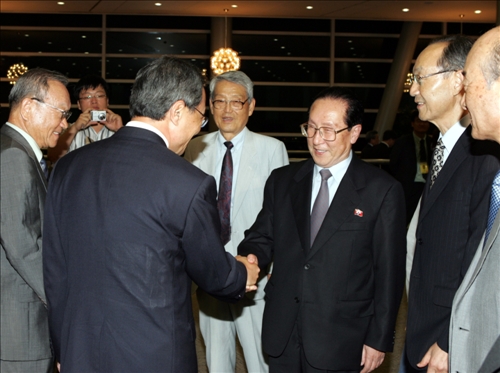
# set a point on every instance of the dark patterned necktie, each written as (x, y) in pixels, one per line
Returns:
(437, 161)
(45, 169)
(321, 204)
(494, 204)
(224, 198)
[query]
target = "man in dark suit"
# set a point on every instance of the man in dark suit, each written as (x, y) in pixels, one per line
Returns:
(372, 140)
(332, 299)
(410, 162)
(383, 150)
(454, 206)
(39, 105)
(129, 225)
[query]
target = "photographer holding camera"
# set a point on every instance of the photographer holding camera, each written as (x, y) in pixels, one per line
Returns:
(96, 122)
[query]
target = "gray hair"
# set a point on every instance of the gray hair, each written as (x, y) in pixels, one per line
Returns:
(34, 83)
(161, 83)
(237, 77)
(455, 53)
(491, 65)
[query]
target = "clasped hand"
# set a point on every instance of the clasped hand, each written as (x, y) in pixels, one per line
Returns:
(251, 264)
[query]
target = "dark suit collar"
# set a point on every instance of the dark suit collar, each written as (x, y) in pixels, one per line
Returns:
(139, 133)
(459, 153)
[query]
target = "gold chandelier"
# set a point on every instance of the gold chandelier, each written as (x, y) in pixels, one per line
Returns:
(407, 84)
(15, 72)
(225, 59)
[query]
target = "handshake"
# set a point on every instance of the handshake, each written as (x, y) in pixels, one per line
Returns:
(251, 264)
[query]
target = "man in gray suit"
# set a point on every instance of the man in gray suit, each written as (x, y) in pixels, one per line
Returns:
(39, 105)
(475, 318)
(253, 158)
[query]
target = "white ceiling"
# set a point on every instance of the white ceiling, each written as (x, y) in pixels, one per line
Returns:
(436, 11)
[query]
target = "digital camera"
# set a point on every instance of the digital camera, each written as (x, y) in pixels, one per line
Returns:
(98, 115)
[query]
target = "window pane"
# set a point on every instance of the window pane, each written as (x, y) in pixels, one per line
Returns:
(282, 45)
(158, 22)
(361, 72)
(51, 20)
(364, 26)
(51, 41)
(281, 24)
(119, 93)
(471, 29)
(157, 43)
(287, 71)
(276, 121)
(4, 94)
(370, 97)
(72, 67)
(365, 47)
(127, 68)
(431, 28)
(279, 96)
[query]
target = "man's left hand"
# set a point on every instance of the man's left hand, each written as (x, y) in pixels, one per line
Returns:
(371, 359)
(113, 121)
(435, 359)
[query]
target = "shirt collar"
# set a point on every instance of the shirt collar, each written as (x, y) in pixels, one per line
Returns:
(236, 140)
(338, 170)
(451, 136)
(29, 139)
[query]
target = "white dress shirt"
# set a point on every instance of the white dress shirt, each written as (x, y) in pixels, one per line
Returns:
(149, 127)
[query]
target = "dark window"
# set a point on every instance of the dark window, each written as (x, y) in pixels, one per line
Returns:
(281, 24)
(51, 20)
(368, 27)
(158, 22)
(361, 72)
(285, 96)
(51, 41)
(365, 47)
(127, 68)
(287, 71)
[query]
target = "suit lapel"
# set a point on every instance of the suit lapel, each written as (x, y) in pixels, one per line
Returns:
(246, 172)
(300, 195)
(16, 136)
(456, 157)
(343, 204)
(208, 154)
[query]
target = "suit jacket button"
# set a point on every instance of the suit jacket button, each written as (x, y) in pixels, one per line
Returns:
(296, 300)
(307, 266)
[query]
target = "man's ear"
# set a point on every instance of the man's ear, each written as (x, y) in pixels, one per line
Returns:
(355, 132)
(458, 82)
(26, 107)
(176, 111)
(251, 107)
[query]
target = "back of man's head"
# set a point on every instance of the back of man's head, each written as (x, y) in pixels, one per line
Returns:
(237, 77)
(354, 111)
(34, 83)
(161, 83)
(90, 82)
(371, 135)
(455, 53)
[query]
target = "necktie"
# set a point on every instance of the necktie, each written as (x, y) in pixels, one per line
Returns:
(224, 198)
(321, 204)
(494, 204)
(45, 169)
(437, 161)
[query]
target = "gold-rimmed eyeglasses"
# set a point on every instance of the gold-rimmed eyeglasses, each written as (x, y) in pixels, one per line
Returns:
(90, 97)
(326, 133)
(235, 104)
(64, 114)
(205, 118)
(418, 79)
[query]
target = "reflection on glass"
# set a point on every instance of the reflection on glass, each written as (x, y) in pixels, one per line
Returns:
(51, 41)
(157, 43)
(287, 71)
(362, 72)
(365, 47)
(285, 96)
(127, 68)
(282, 45)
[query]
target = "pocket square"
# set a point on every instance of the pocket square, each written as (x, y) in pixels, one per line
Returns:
(358, 212)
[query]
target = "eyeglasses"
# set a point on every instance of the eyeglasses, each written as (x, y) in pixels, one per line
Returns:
(205, 118)
(90, 97)
(235, 105)
(64, 114)
(418, 79)
(326, 133)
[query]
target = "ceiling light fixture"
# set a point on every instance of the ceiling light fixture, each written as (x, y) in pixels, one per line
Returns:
(309, 7)
(15, 72)
(477, 11)
(234, 6)
(60, 3)
(225, 59)
(405, 10)
(158, 4)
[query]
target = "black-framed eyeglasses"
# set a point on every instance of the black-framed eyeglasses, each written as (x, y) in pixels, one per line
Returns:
(64, 114)
(90, 97)
(418, 79)
(205, 118)
(235, 104)
(326, 133)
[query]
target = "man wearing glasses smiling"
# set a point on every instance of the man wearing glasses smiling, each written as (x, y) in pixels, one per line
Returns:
(39, 109)
(91, 94)
(253, 157)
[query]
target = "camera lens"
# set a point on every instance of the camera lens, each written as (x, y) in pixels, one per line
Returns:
(102, 116)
